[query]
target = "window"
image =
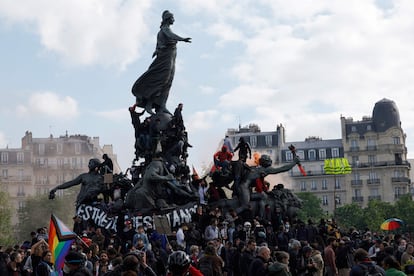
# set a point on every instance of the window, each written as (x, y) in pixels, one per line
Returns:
(324, 184)
(396, 140)
(325, 200)
(322, 154)
(337, 199)
(373, 175)
(74, 163)
(4, 157)
(353, 128)
(313, 185)
(41, 149)
(303, 185)
(374, 192)
(20, 190)
(337, 184)
(268, 139)
(20, 174)
(355, 161)
(372, 159)
(289, 156)
(4, 173)
(371, 144)
(21, 204)
(253, 141)
(398, 173)
(369, 128)
(335, 152)
(20, 157)
(356, 176)
(354, 144)
(59, 163)
(357, 192)
(300, 154)
(77, 148)
(312, 154)
(59, 148)
(398, 191)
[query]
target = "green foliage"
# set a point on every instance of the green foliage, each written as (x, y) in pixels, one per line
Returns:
(404, 208)
(350, 215)
(6, 230)
(311, 208)
(38, 209)
(376, 212)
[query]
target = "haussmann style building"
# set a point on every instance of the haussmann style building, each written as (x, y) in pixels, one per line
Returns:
(374, 147)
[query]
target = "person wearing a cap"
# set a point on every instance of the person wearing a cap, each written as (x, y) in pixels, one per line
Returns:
(74, 265)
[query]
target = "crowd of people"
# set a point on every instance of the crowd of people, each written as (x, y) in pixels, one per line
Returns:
(214, 243)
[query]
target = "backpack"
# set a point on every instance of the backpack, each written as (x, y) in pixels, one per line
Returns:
(206, 267)
(371, 270)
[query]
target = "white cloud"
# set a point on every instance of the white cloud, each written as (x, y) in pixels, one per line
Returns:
(85, 32)
(202, 120)
(49, 104)
(207, 90)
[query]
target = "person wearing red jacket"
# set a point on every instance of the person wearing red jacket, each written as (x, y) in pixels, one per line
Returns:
(222, 158)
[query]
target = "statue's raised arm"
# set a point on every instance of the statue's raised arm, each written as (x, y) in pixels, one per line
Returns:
(92, 184)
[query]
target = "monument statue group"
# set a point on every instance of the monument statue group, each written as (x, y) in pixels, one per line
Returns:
(160, 180)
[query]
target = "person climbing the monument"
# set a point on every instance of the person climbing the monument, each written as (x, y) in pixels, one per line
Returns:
(178, 118)
(92, 184)
(222, 158)
(138, 127)
(244, 149)
(107, 165)
(153, 87)
(227, 142)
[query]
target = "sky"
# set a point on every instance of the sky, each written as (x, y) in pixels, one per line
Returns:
(69, 65)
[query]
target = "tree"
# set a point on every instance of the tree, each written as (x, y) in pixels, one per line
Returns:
(350, 215)
(311, 208)
(404, 208)
(37, 211)
(376, 212)
(6, 230)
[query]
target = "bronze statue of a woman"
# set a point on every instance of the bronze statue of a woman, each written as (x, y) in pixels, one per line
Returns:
(152, 88)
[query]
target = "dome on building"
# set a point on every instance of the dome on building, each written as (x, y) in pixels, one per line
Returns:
(385, 115)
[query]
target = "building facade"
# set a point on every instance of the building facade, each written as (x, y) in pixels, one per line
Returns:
(43, 163)
(374, 147)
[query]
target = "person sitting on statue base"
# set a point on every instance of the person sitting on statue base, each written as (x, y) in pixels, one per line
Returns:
(222, 158)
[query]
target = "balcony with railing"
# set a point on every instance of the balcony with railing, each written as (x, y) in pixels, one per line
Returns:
(374, 181)
(371, 148)
(354, 148)
(398, 196)
(400, 180)
(357, 199)
(356, 182)
(374, 197)
(380, 164)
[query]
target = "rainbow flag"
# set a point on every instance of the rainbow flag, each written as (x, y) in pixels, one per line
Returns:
(60, 240)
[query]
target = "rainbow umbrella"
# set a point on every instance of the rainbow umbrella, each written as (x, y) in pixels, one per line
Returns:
(391, 224)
